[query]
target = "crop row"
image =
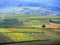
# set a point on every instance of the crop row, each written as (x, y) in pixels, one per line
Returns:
(18, 37)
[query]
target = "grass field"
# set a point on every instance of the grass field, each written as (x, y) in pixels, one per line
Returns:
(28, 34)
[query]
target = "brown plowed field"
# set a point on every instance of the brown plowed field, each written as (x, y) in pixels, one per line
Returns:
(52, 26)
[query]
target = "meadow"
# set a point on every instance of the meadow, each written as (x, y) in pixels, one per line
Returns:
(16, 32)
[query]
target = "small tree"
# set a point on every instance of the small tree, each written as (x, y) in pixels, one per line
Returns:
(43, 26)
(50, 20)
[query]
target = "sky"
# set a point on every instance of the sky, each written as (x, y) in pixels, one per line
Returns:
(4, 3)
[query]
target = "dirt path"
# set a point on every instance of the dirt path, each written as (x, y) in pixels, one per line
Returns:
(11, 30)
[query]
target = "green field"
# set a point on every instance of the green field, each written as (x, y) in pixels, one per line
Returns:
(27, 34)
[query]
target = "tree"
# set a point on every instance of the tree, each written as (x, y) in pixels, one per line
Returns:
(43, 26)
(50, 20)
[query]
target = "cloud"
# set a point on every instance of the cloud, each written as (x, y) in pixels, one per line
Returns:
(11, 3)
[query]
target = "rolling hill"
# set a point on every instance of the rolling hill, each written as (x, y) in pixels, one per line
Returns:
(20, 7)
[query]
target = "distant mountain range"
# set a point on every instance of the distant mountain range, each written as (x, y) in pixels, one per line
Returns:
(30, 8)
(19, 4)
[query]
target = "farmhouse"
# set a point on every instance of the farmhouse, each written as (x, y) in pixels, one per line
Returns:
(53, 24)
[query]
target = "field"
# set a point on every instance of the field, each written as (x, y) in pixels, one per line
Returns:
(27, 28)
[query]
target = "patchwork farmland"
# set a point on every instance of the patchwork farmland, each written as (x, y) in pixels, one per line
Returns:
(20, 28)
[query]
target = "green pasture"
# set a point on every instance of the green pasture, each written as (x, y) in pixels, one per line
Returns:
(24, 34)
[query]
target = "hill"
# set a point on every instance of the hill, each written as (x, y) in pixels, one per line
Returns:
(21, 7)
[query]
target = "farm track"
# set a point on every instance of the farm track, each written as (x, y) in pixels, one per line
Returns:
(18, 31)
(11, 30)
